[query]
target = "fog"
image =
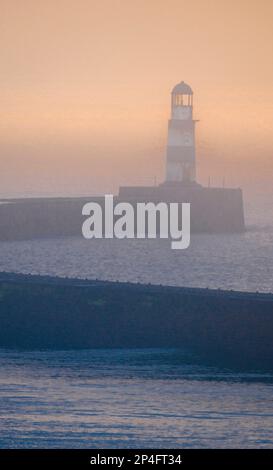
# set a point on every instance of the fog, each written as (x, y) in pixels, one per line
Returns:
(85, 92)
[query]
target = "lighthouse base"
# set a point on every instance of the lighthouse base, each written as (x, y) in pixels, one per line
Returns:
(213, 210)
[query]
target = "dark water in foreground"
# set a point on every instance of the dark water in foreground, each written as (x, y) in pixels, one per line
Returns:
(130, 398)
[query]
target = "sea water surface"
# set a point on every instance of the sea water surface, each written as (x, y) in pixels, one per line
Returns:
(139, 398)
(130, 399)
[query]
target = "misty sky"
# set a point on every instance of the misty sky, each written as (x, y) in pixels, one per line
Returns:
(85, 91)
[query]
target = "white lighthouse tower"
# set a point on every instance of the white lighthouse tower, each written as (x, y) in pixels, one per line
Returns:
(181, 137)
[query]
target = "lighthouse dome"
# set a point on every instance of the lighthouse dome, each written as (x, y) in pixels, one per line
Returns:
(182, 88)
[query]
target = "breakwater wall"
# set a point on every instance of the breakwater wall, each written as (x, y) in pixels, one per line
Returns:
(230, 328)
(213, 210)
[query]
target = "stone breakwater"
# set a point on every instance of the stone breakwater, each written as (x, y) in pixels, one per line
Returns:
(224, 327)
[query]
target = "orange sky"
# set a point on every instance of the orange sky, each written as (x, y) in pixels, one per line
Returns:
(85, 91)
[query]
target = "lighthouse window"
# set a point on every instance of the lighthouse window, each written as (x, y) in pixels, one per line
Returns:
(187, 139)
(179, 100)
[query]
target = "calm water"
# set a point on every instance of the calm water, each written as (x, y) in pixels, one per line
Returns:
(136, 398)
(139, 398)
(239, 262)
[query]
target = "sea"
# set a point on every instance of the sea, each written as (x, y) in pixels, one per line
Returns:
(149, 398)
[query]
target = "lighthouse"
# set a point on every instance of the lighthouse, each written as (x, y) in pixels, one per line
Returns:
(180, 164)
(213, 209)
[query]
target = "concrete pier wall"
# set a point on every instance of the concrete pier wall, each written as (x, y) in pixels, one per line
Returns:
(213, 210)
